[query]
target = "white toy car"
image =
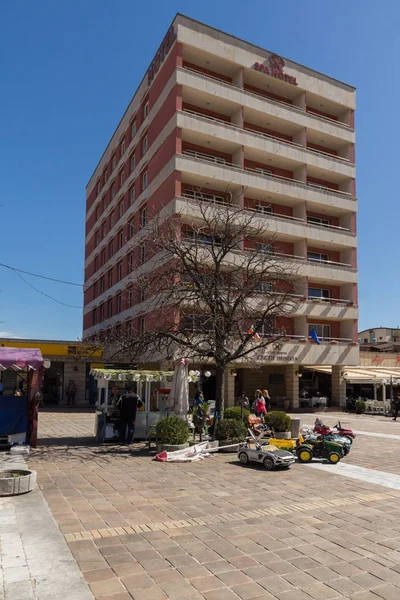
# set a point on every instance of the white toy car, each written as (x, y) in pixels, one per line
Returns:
(271, 459)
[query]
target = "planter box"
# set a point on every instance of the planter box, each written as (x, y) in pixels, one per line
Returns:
(171, 447)
(21, 484)
(283, 435)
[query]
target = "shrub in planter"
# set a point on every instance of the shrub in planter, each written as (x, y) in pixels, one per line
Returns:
(172, 431)
(234, 412)
(278, 420)
(231, 430)
(361, 406)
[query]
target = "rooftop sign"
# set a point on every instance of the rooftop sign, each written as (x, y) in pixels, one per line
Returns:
(275, 69)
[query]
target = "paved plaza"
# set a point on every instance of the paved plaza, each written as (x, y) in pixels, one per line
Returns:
(216, 530)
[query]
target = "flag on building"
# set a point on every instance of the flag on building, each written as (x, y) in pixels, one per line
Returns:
(254, 333)
(313, 336)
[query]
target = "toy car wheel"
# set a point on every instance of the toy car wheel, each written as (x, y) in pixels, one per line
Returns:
(244, 459)
(333, 458)
(304, 455)
(350, 439)
(269, 463)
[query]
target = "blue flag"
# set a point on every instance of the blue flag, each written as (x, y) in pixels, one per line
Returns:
(313, 336)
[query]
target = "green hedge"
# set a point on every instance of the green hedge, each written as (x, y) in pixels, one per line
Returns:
(234, 412)
(172, 430)
(278, 420)
(232, 430)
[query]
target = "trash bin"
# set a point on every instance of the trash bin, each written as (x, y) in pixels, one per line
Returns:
(295, 427)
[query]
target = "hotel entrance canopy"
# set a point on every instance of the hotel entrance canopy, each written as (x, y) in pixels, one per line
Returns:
(365, 374)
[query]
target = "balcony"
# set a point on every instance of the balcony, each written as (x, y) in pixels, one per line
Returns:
(251, 97)
(230, 133)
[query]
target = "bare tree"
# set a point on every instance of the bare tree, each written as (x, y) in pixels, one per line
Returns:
(216, 289)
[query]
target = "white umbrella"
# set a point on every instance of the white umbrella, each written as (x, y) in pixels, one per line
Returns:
(178, 398)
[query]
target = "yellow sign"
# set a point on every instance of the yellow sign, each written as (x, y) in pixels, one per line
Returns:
(49, 348)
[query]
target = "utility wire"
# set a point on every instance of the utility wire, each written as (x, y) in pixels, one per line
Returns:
(40, 276)
(43, 293)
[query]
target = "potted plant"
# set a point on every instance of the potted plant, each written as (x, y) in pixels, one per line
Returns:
(172, 433)
(361, 406)
(280, 422)
(230, 431)
(235, 412)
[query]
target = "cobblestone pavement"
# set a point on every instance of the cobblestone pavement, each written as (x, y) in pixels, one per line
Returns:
(220, 531)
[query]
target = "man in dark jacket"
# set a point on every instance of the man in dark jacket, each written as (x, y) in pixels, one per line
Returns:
(128, 404)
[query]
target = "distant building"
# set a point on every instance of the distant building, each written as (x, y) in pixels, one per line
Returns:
(380, 339)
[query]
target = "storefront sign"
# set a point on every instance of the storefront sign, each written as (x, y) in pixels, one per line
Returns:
(274, 353)
(161, 54)
(275, 69)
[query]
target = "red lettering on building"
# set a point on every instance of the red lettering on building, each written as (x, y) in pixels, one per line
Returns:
(161, 54)
(276, 66)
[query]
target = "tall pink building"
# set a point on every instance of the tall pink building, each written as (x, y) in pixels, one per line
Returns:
(215, 111)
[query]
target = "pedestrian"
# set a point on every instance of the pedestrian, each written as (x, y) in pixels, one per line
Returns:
(260, 406)
(113, 400)
(128, 404)
(244, 401)
(396, 407)
(267, 399)
(199, 398)
(71, 392)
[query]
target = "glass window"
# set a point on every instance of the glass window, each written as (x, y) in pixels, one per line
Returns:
(121, 209)
(318, 293)
(145, 180)
(96, 263)
(317, 221)
(110, 278)
(264, 287)
(119, 303)
(122, 147)
(145, 144)
(132, 195)
(104, 229)
(112, 219)
(143, 217)
(143, 253)
(119, 271)
(131, 228)
(146, 109)
(113, 191)
(120, 239)
(264, 209)
(110, 308)
(133, 129)
(110, 249)
(102, 285)
(265, 248)
(322, 331)
(317, 257)
(97, 237)
(122, 178)
(131, 262)
(133, 162)
(105, 175)
(113, 162)
(103, 257)
(96, 289)
(94, 316)
(130, 297)
(142, 325)
(98, 187)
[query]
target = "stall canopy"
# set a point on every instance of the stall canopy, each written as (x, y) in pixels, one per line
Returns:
(367, 374)
(20, 358)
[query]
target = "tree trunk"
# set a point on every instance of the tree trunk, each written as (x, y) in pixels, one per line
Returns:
(219, 391)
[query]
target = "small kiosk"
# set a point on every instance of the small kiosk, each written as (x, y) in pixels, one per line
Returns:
(153, 387)
(19, 412)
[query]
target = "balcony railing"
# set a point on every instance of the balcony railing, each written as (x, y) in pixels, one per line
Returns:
(272, 100)
(265, 135)
(330, 300)
(209, 158)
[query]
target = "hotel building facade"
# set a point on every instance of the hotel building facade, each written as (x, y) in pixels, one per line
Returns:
(212, 113)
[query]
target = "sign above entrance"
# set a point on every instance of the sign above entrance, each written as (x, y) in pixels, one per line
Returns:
(275, 69)
(161, 54)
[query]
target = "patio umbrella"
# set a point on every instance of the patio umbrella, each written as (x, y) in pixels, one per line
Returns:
(178, 398)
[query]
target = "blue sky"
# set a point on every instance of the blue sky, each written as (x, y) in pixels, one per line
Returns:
(69, 70)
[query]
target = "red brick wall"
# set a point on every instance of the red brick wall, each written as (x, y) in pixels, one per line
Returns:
(162, 156)
(173, 60)
(164, 115)
(285, 323)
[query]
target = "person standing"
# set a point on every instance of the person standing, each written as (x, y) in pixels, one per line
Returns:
(128, 404)
(260, 406)
(267, 399)
(71, 392)
(396, 408)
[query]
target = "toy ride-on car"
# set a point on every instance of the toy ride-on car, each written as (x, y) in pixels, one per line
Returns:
(319, 427)
(267, 454)
(319, 448)
(310, 436)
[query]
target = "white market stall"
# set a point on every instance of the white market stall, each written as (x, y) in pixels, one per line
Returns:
(163, 393)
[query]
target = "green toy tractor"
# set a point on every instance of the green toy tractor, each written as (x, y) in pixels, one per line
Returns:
(319, 448)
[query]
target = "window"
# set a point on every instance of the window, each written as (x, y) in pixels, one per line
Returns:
(322, 331)
(262, 171)
(120, 271)
(318, 293)
(265, 248)
(317, 221)
(97, 237)
(204, 156)
(113, 162)
(102, 285)
(104, 203)
(264, 209)
(195, 323)
(145, 180)
(122, 148)
(264, 287)
(110, 308)
(133, 162)
(201, 238)
(133, 129)
(103, 257)
(130, 297)
(105, 175)
(276, 379)
(111, 249)
(120, 239)
(143, 217)
(145, 144)
(317, 257)
(119, 303)
(112, 219)
(146, 109)
(94, 317)
(104, 229)
(121, 178)
(96, 263)
(131, 262)
(142, 254)
(131, 228)
(121, 209)
(98, 186)
(142, 293)
(110, 278)
(97, 212)
(142, 325)
(132, 195)
(113, 191)
(267, 328)
(95, 289)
